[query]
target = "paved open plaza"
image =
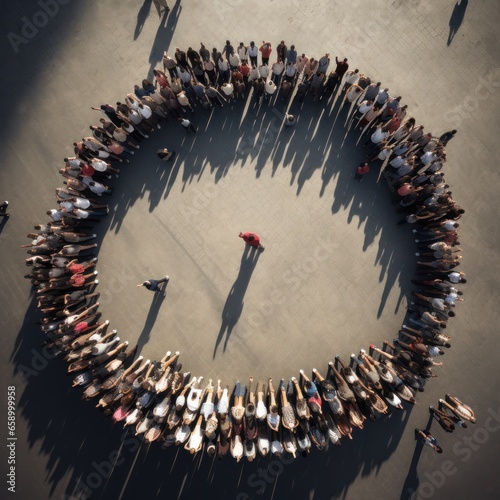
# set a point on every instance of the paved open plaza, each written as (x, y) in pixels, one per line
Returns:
(335, 273)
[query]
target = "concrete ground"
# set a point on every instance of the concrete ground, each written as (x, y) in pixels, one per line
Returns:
(335, 273)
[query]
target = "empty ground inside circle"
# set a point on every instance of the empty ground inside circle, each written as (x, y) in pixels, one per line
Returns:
(234, 313)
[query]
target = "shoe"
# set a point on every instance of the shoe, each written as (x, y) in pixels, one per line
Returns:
(158, 126)
(131, 152)
(417, 254)
(414, 230)
(94, 235)
(167, 278)
(416, 241)
(146, 136)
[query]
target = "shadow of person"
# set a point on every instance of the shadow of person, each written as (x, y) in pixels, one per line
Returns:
(234, 302)
(142, 15)
(154, 309)
(412, 481)
(457, 16)
(3, 222)
(163, 37)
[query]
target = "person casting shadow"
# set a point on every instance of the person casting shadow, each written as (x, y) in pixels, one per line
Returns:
(154, 309)
(234, 302)
(457, 16)
(412, 481)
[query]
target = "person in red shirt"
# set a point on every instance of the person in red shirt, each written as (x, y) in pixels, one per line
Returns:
(252, 239)
(361, 171)
(265, 50)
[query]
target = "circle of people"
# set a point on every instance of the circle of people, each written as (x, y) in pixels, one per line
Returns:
(161, 401)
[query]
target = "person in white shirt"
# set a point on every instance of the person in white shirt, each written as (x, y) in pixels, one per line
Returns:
(254, 74)
(264, 71)
(270, 89)
(351, 78)
(228, 91)
(277, 68)
(378, 136)
(242, 52)
(290, 72)
(253, 52)
(234, 61)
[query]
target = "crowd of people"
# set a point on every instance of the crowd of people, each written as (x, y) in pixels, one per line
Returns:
(167, 405)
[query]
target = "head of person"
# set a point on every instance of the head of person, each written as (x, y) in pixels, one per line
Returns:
(345, 59)
(307, 384)
(251, 237)
(202, 45)
(453, 132)
(252, 44)
(378, 84)
(292, 47)
(463, 280)
(228, 42)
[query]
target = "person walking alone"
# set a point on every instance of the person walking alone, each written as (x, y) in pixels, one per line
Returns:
(252, 239)
(152, 284)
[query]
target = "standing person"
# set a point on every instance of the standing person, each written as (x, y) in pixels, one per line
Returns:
(170, 65)
(372, 91)
(302, 60)
(252, 239)
(215, 96)
(428, 439)
(110, 112)
(152, 284)
(447, 136)
(290, 72)
(342, 67)
(165, 154)
(188, 126)
(3, 209)
(204, 52)
(193, 56)
(181, 58)
(324, 62)
(161, 7)
(234, 61)
(281, 51)
(216, 55)
(361, 171)
(228, 49)
(277, 71)
(265, 50)
(291, 55)
(209, 68)
(253, 52)
(242, 52)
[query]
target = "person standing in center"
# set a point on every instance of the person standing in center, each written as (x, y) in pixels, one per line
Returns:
(252, 239)
(265, 50)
